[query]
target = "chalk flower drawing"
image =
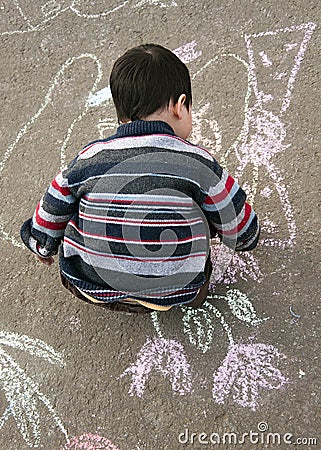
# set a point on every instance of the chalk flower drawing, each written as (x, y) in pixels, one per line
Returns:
(22, 393)
(166, 356)
(89, 441)
(246, 369)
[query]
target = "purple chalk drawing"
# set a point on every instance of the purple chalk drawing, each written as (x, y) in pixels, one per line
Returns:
(89, 441)
(265, 132)
(246, 369)
(228, 266)
(166, 356)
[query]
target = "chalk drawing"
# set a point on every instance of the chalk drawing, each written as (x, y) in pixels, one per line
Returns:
(155, 320)
(166, 356)
(106, 126)
(263, 132)
(241, 307)
(187, 52)
(246, 369)
(74, 8)
(51, 9)
(89, 441)
(265, 59)
(47, 100)
(229, 265)
(95, 98)
(267, 131)
(99, 97)
(74, 323)
(156, 3)
(198, 325)
(22, 393)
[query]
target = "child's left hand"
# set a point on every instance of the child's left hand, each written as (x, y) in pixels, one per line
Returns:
(46, 261)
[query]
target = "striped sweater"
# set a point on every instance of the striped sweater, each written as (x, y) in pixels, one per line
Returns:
(134, 215)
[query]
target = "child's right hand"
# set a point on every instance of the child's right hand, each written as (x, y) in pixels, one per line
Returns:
(46, 261)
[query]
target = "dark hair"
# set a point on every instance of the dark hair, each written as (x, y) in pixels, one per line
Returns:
(145, 79)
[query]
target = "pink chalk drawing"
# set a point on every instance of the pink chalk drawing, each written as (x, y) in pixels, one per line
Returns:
(246, 369)
(188, 52)
(89, 441)
(263, 132)
(164, 356)
(266, 131)
(229, 265)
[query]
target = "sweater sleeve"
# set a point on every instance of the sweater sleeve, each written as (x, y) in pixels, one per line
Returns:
(226, 209)
(42, 233)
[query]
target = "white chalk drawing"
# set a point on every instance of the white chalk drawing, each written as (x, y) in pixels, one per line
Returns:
(202, 321)
(263, 132)
(187, 52)
(22, 393)
(49, 10)
(46, 102)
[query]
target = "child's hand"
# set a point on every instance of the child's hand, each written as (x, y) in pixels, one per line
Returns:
(46, 261)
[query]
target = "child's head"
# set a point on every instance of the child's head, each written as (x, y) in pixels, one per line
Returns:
(147, 79)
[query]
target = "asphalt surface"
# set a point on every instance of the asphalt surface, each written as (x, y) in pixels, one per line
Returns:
(74, 376)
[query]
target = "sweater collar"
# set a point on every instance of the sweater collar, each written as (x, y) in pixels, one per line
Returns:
(143, 127)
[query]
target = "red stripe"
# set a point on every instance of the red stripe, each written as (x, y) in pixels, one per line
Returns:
(211, 200)
(63, 190)
(49, 225)
(243, 222)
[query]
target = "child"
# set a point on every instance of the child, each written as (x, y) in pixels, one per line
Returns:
(134, 213)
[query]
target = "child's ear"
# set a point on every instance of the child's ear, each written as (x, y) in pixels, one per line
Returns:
(179, 105)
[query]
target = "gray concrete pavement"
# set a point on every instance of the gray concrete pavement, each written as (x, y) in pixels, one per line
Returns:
(73, 376)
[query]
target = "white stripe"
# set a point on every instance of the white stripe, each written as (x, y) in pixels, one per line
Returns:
(59, 196)
(52, 233)
(161, 268)
(152, 140)
(51, 217)
(234, 223)
(61, 180)
(220, 186)
(184, 200)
